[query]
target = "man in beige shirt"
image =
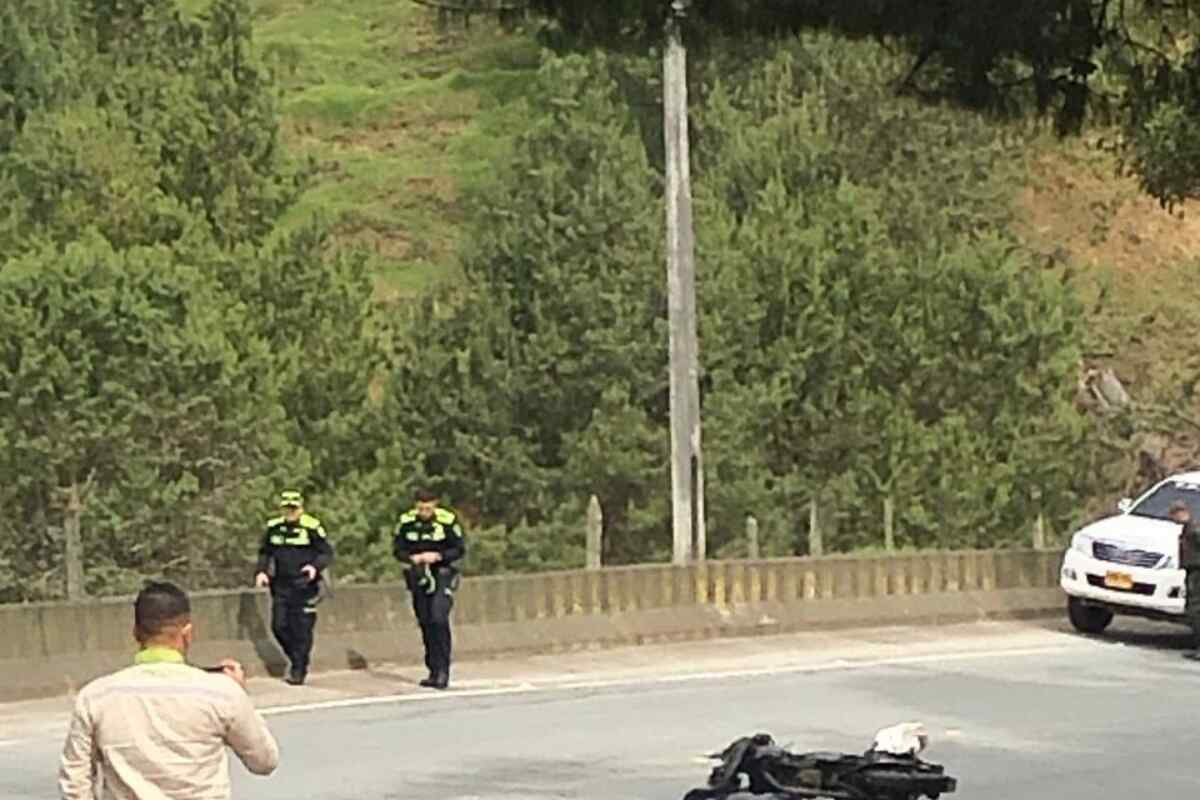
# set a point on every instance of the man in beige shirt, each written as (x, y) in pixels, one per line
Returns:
(158, 730)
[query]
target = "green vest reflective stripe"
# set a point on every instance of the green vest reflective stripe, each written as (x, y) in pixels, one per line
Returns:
(297, 534)
(300, 537)
(158, 655)
(435, 534)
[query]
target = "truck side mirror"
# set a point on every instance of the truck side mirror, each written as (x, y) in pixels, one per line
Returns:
(1125, 505)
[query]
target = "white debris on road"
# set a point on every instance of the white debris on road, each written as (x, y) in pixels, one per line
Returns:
(905, 739)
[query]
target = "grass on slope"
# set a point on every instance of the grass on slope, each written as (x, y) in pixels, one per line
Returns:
(401, 114)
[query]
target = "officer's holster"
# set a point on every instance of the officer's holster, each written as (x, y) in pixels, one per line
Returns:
(417, 579)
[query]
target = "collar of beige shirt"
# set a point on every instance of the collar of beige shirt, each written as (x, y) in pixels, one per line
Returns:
(158, 655)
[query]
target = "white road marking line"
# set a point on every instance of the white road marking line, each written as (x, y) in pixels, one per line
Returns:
(396, 698)
(561, 685)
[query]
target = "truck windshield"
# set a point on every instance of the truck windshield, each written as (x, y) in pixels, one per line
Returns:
(1159, 502)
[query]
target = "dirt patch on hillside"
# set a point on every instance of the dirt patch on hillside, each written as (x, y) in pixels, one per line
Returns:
(404, 128)
(1131, 260)
(1078, 209)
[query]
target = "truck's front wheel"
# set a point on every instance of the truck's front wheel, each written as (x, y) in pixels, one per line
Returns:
(1087, 618)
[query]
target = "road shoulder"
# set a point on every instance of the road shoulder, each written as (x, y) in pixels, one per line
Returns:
(698, 660)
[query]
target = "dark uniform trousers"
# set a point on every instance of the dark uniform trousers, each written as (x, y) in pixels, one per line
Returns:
(293, 618)
(432, 602)
(1189, 559)
(1192, 603)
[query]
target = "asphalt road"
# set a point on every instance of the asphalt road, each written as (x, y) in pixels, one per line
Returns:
(1068, 719)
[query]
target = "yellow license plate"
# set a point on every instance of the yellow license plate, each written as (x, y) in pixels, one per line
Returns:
(1118, 580)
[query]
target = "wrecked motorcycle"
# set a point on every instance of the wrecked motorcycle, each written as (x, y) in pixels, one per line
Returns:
(754, 768)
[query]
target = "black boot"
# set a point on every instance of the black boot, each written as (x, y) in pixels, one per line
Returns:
(1194, 652)
(441, 680)
(430, 681)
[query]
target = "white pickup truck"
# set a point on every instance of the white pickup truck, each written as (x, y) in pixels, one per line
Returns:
(1129, 563)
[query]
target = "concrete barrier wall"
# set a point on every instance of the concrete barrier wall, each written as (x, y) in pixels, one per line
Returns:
(48, 649)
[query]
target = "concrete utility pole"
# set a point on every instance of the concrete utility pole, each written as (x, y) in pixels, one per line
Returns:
(75, 498)
(73, 543)
(687, 465)
(752, 550)
(595, 533)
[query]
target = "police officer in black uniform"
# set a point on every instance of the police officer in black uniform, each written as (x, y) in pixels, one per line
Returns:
(430, 540)
(1189, 561)
(297, 545)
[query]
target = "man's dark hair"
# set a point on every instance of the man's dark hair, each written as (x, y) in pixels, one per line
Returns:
(426, 496)
(159, 606)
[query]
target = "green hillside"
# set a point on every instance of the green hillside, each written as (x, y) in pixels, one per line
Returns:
(414, 252)
(400, 114)
(403, 114)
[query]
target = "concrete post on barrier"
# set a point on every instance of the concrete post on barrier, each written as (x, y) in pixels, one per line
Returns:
(752, 551)
(864, 579)
(699, 574)
(937, 572)
(630, 590)
(772, 582)
(594, 598)
(793, 582)
(1048, 565)
(816, 540)
(954, 573)
(614, 590)
(468, 608)
(987, 570)
(560, 596)
(758, 581)
(718, 585)
(919, 576)
(889, 524)
(898, 576)
(578, 593)
(970, 574)
(879, 571)
(737, 585)
(827, 580)
(518, 597)
(843, 578)
(809, 586)
(499, 606)
(667, 596)
(595, 533)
